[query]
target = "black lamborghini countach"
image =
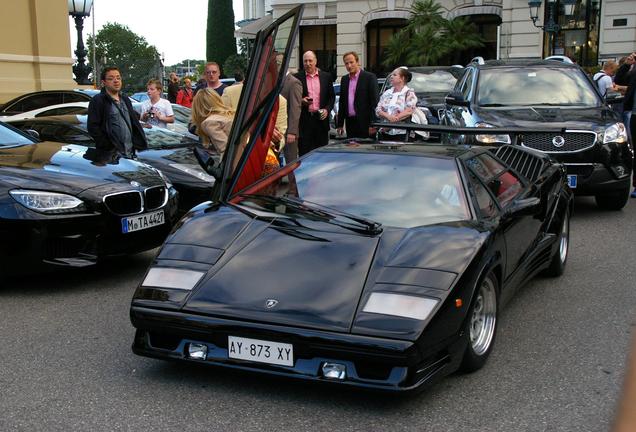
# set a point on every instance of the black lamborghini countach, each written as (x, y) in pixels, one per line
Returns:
(378, 265)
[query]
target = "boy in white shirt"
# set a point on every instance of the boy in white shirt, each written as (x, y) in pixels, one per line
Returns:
(156, 111)
(603, 78)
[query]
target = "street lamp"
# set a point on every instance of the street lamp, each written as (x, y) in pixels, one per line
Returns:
(551, 26)
(80, 9)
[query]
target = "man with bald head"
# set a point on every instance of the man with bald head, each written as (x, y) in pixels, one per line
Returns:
(317, 102)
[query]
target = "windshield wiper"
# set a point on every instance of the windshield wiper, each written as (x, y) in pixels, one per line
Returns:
(323, 213)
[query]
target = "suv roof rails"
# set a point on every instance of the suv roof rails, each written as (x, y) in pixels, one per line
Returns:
(479, 60)
(561, 58)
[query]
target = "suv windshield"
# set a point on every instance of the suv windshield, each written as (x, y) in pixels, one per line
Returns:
(532, 86)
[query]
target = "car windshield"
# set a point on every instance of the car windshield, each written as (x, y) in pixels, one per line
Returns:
(438, 81)
(10, 137)
(393, 190)
(182, 114)
(532, 86)
(163, 138)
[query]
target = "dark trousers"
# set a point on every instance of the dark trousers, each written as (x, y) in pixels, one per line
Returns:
(291, 151)
(355, 128)
(315, 133)
(632, 127)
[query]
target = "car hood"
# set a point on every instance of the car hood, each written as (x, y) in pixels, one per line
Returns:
(179, 165)
(68, 168)
(317, 272)
(571, 118)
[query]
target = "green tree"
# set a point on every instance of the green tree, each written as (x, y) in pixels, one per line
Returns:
(429, 37)
(221, 43)
(116, 45)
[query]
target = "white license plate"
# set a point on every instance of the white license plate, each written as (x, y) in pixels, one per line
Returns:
(260, 351)
(142, 221)
(572, 179)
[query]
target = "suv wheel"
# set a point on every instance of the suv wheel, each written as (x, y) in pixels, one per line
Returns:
(613, 200)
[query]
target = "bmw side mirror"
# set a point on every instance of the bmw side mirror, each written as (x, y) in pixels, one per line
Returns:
(456, 98)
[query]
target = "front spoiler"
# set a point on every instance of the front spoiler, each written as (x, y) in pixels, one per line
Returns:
(404, 367)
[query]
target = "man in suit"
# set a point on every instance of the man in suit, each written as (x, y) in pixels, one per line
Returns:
(317, 102)
(358, 99)
(292, 91)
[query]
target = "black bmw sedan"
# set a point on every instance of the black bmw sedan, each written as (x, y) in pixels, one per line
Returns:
(168, 151)
(67, 205)
(592, 143)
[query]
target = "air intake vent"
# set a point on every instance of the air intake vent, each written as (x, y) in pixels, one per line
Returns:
(526, 164)
(559, 143)
(124, 203)
(156, 197)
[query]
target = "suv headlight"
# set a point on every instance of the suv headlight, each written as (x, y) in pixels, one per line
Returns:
(48, 202)
(491, 139)
(615, 133)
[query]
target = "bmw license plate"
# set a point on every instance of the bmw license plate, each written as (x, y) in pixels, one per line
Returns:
(572, 181)
(260, 351)
(142, 221)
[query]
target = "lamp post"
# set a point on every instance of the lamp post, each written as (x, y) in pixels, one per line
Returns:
(551, 26)
(80, 9)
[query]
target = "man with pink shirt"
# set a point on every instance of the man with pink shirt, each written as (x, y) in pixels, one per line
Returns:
(358, 99)
(317, 102)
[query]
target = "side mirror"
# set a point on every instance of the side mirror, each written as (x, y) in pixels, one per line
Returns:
(35, 134)
(456, 98)
(524, 207)
(614, 98)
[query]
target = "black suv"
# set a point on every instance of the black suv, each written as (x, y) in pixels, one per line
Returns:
(540, 94)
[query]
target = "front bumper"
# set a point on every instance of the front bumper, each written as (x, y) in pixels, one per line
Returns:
(371, 363)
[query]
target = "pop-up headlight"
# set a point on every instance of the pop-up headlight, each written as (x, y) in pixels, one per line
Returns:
(403, 305)
(166, 277)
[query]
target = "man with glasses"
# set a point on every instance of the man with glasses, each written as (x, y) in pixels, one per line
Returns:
(212, 78)
(112, 121)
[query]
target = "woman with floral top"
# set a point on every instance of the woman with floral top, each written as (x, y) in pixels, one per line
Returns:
(396, 104)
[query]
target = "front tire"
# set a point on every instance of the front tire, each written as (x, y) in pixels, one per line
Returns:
(481, 324)
(560, 257)
(614, 200)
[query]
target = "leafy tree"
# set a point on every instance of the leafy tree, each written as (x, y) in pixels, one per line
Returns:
(429, 37)
(221, 43)
(116, 45)
(235, 63)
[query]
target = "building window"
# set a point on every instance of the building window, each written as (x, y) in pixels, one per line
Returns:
(578, 37)
(378, 34)
(321, 39)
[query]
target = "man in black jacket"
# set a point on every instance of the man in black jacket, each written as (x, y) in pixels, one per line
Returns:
(358, 99)
(112, 121)
(317, 103)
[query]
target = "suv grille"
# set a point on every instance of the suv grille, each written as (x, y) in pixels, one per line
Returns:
(155, 197)
(124, 203)
(570, 142)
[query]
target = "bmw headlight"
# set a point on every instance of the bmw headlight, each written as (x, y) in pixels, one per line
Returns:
(491, 139)
(615, 133)
(48, 202)
(194, 171)
(403, 305)
(167, 277)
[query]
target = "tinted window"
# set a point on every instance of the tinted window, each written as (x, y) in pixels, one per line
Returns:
(467, 84)
(503, 184)
(485, 203)
(58, 132)
(76, 97)
(535, 86)
(10, 137)
(40, 101)
(395, 190)
(62, 111)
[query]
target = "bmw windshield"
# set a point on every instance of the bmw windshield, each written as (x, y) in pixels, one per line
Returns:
(9, 137)
(532, 86)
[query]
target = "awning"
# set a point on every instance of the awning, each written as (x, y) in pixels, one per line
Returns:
(249, 30)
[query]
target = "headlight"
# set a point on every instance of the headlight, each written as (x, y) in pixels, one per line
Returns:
(615, 133)
(491, 139)
(403, 305)
(194, 171)
(166, 277)
(48, 202)
(165, 179)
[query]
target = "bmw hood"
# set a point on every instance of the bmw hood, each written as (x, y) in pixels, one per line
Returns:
(69, 168)
(565, 117)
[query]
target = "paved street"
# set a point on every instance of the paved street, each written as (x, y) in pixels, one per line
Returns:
(66, 363)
